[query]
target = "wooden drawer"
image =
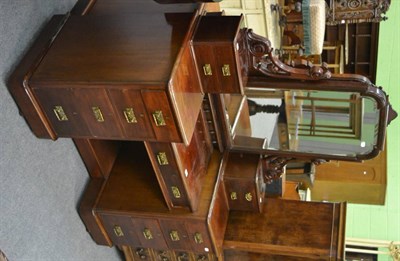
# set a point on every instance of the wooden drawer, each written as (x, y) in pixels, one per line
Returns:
(168, 173)
(149, 233)
(120, 229)
(199, 237)
(162, 118)
(62, 111)
(163, 255)
(131, 113)
(215, 46)
(79, 112)
(181, 169)
(243, 181)
(175, 234)
(97, 112)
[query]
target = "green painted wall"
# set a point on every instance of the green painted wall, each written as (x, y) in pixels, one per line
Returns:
(383, 222)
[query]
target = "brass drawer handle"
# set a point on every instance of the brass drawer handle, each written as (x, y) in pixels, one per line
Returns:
(60, 114)
(225, 70)
(159, 118)
(130, 115)
(174, 235)
(176, 192)
(147, 234)
(248, 196)
(198, 238)
(162, 158)
(118, 231)
(207, 69)
(233, 195)
(98, 114)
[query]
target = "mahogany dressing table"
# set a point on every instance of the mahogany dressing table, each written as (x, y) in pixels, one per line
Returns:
(146, 111)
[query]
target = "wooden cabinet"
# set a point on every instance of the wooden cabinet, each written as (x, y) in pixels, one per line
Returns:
(287, 229)
(218, 48)
(355, 182)
(149, 223)
(81, 89)
(243, 181)
(355, 11)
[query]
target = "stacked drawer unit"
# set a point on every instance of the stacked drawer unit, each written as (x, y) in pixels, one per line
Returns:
(219, 54)
(243, 180)
(181, 169)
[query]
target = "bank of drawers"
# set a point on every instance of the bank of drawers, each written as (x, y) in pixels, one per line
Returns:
(243, 181)
(138, 253)
(109, 113)
(180, 169)
(218, 49)
(158, 233)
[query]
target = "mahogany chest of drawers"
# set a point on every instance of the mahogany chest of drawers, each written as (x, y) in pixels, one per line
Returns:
(129, 210)
(104, 87)
(218, 51)
(243, 181)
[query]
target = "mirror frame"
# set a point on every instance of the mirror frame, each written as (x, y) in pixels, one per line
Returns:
(264, 69)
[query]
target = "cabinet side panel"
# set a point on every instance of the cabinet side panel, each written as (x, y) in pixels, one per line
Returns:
(86, 212)
(16, 82)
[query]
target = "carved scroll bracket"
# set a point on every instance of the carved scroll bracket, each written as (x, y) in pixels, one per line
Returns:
(263, 60)
(273, 166)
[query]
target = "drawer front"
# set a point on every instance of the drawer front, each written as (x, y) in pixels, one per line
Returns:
(242, 194)
(139, 254)
(206, 67)
(149, 233)
(199, 237)
(161, 116)
(163, 255)
(98, 113)
(62, 111)
(226, 66)
(204, 257)
(131, 113)
(120, 229)
(175, 234)
(166, 168)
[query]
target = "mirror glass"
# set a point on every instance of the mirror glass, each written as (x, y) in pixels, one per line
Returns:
(307, 121)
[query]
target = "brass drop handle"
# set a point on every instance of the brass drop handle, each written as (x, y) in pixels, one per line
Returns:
(226, 70)
(130, 115)
(233, 196)
(60, 114)
(98, 115)
(176, 192)
(147, 234)
(248, 196)
(207, 69)
(118, 231)
(198, 238)
(174, 235)
(162, 158)
(158, 118)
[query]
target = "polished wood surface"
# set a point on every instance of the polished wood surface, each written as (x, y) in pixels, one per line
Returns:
(289, 228)
(356, 182)
(243, 181)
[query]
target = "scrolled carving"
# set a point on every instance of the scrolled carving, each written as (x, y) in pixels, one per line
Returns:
(273, 167)
(263, 60)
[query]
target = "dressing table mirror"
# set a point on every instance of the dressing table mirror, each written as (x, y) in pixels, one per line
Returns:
(304, 113)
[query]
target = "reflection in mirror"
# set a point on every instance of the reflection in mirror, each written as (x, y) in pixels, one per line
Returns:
(307, 121)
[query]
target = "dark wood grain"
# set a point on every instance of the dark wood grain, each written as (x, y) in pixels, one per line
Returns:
(289, 228)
